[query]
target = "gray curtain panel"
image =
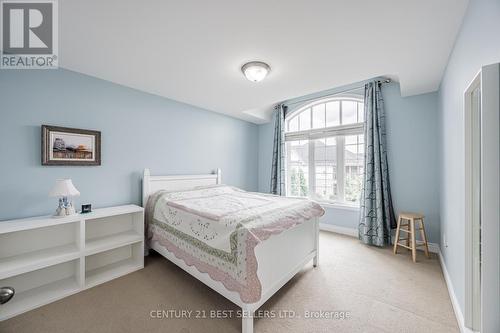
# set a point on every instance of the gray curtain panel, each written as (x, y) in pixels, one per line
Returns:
(278, 167)
(376, 211)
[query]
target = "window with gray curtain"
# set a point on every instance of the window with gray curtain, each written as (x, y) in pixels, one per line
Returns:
(324, 145)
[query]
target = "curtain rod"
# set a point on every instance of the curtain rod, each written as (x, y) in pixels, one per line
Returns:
(384, 81)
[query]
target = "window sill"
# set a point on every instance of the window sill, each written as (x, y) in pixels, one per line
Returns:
(331, 204)
(336, 205)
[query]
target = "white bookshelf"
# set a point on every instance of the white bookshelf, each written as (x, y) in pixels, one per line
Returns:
(46, 259)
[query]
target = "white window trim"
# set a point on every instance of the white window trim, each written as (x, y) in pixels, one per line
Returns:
(339, 132)
(335, 204)
(339, 205)
(319, 133)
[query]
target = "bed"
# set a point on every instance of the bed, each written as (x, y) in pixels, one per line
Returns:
(265, 255)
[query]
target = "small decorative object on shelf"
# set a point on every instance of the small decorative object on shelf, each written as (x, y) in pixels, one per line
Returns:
(64, 189)
(86, 208)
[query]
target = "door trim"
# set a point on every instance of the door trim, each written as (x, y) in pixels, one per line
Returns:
(472, 313)
(489, 77)
(490, 198)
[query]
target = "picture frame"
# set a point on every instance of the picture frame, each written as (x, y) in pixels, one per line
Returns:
(87, 208)
(70, 146)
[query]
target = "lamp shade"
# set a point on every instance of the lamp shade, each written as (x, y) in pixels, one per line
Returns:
(64, 188)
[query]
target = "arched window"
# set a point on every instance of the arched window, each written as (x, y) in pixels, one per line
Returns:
(325, 149)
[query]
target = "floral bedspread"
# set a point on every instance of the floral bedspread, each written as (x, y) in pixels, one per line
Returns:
(216, 229)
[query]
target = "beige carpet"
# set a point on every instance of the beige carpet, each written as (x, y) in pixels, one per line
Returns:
(381, 293)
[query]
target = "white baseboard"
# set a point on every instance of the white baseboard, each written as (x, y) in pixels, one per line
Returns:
(453, 297)
(433, 247)
(339, 230)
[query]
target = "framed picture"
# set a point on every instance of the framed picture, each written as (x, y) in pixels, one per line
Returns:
(70, 146)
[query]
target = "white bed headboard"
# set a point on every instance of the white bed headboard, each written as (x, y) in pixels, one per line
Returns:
(151, 184)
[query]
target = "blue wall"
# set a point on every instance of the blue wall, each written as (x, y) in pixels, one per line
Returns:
(412, 140)
(477, 44)
(266, 135)
(413, 154)
(139, 130)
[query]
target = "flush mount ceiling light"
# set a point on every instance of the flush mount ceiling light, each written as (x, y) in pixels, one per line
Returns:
(255, 71)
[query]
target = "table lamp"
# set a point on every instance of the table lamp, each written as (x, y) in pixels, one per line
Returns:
(64, 189)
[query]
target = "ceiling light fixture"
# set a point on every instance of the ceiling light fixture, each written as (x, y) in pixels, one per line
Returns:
(255, 71)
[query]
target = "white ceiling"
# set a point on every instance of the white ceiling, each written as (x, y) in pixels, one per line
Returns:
(192, 51)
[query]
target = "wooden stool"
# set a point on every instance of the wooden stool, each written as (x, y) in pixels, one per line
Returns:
(411, 243)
